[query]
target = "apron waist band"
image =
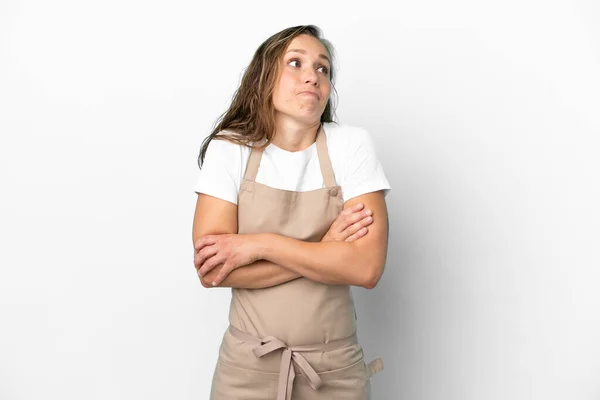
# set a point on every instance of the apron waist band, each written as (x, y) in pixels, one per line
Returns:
(268, 344)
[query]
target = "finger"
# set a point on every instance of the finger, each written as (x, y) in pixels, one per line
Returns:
(209, 265)
(347, 217)
(360, 233)
(344, 219)
(207, 240)
(350, 211)
(368, 220)
(352, 229)
(338, 225)
(204, 254)
(225, 270)
(358, 218)
(354, 208)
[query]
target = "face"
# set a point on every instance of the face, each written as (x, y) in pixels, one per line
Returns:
(304, 84)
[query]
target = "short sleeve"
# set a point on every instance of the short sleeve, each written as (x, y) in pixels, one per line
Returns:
(363, 173)
(219, 175)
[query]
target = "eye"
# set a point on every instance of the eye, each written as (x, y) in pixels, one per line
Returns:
(324, 68)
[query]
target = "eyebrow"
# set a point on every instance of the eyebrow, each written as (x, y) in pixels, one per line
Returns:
(304, 52)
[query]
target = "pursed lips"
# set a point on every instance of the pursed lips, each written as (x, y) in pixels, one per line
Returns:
(311, 93)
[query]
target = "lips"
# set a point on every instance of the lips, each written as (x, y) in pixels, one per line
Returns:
(309, 93)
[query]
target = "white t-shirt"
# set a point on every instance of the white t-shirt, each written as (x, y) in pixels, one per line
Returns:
(354, 160)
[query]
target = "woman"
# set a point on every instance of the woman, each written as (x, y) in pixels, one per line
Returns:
(269, 224)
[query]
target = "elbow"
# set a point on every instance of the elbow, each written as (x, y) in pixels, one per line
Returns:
(372, 277)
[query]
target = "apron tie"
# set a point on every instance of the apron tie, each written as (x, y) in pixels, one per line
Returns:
(287, 373)
(291, 355)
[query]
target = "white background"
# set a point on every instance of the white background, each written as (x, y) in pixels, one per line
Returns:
(486, 119)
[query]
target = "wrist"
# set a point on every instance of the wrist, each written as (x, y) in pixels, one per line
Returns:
(263, 242)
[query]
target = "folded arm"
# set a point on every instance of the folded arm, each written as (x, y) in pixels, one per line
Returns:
(280, 259)
(217, 216)
(358, 263)
(258, 275)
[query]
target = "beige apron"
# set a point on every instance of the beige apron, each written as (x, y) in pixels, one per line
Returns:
(296, 340)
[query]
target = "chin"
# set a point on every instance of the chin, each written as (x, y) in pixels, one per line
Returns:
(303, 117)
(308, 119)
(312, 114)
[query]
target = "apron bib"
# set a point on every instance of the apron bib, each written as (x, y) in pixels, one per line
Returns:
(296, 340)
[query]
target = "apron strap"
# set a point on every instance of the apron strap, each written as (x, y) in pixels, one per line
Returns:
(324, 160)
(253, 163)
(323, 154)
(374, 367)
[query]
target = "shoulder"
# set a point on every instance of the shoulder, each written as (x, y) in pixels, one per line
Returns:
(350, 135)
(348, 138)
(342, 131)
(222, 142)
(221, 146)
(221, 172)
(361, 172)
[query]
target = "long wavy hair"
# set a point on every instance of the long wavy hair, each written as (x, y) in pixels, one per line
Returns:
(251, 115)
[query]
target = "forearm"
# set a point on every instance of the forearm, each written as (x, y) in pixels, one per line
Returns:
(258, 275)
(327, 262)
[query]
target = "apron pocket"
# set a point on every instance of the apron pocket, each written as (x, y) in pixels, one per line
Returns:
(231, 383)
(347, 383)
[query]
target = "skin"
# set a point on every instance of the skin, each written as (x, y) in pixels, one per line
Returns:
(223, 257)
(216, 215)
(297, 115)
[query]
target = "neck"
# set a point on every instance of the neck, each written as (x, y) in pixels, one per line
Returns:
(292, 135)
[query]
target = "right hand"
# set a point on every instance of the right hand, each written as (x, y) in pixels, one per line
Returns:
(350, 225)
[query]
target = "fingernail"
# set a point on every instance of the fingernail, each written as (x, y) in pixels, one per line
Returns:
(214, 283)
(369, 212)
(369, 219)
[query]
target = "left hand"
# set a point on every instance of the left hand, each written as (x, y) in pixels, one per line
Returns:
(230, 250)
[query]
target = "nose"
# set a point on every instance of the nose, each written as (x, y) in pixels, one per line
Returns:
(311, 77)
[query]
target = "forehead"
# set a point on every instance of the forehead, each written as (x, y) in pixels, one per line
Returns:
(308, 43)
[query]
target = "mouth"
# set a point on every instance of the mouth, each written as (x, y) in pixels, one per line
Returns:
(309, 94)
